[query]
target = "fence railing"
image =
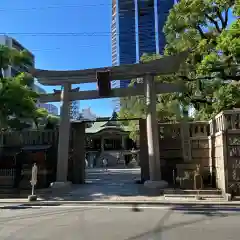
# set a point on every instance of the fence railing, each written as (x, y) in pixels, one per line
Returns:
(32, 137)
(7, 177)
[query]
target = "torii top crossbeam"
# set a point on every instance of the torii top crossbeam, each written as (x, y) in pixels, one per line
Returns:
(163, 66)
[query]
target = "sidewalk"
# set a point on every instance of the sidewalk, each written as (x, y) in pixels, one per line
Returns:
(115, 187)
(128, 194)
(150, 202)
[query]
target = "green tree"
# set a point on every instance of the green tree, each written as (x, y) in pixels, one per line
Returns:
(39, 115)
(17, 99)
(169, 106)
(12, 57)
(212, 69)
(52, 122)
(204, 26)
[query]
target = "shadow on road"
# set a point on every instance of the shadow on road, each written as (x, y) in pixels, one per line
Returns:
(203, 209)
(18, 207)
(210, 213)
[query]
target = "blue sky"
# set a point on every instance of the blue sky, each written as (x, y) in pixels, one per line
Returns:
(24, 18)
(63, 52)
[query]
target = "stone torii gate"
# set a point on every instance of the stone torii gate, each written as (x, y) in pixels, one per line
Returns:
(150, 89)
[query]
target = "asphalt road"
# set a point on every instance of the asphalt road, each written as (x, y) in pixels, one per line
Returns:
(83, 223)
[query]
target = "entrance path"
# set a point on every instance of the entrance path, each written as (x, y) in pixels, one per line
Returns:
(111, 184)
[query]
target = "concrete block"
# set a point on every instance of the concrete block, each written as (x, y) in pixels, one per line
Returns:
(32, 198)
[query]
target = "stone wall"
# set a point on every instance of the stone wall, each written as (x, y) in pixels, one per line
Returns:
(228, 123)
(170, 141)
(213, 145)
(219, 161)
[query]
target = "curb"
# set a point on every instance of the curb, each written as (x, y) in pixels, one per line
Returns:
(127, 203)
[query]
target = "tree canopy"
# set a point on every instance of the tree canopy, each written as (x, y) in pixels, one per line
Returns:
(52, 122)
(211, 28)
(17, 99)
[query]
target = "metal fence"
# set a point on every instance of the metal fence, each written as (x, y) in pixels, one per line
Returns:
(7, 177)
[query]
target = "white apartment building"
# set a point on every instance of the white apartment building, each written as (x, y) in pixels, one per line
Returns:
(12, 71)
(13, 43)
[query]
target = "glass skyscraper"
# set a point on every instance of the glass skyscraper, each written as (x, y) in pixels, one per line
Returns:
(123, 34)
(151, 17)
(146, 27)
(163, 7)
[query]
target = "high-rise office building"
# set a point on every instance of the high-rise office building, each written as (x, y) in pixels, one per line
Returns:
(146, 27)
(151, 17)
(114, 30)
(123, 34)
(163, 7)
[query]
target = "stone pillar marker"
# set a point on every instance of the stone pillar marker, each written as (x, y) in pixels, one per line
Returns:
(152, 135)
(64, 134)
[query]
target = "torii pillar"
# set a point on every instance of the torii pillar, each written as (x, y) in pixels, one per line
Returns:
(64, 134)
(63, 138)
(152, 135)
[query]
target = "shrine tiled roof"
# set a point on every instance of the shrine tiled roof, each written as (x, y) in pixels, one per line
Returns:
(111, 124)
(99, 126)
